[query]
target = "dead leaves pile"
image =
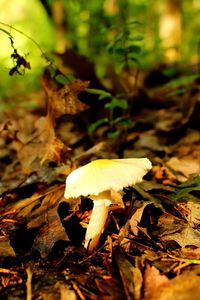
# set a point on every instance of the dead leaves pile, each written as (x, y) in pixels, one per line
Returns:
(150, 248)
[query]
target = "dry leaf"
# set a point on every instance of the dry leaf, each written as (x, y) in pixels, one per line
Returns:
(186, 237)
(183, 287)
(52, 229)
(5, 247)
(131, 277)
(48, 235)
(193, 216)
(185, 166)
(64, 100)
(153, 280)
(136, 218)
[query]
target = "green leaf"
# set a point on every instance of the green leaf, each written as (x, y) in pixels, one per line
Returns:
(133, 61)
(52, 72)
(113, 134)
(123, 121)
(101, 93)
(187, 187)
(119, 67)
(119, 51)
(117, 103)
(133, 23)
(118, 37)
(96, 125)
(64, 79)
(138, 37)
(182, 80)
(133, 49)
(183, 192)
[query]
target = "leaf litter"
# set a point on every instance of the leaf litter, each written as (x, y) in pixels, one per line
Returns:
(150, 247)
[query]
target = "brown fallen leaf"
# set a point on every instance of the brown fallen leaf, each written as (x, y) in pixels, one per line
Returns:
(193, 216)
(44, 144)
(136, 218)
(40, 210)
(47, 216)
(5, 248)
(188, 236)
(48, 235)
(63, 100)
(184, 165)
(158, 287)
(153, 280)
(130, 275)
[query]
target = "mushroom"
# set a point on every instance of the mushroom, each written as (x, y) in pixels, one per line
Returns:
(97, 180)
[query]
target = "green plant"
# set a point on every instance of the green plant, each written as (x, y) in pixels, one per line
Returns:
(125, 47)
(187, 187)
(116, 123)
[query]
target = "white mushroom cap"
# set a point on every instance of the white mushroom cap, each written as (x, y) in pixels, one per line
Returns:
(105, 174)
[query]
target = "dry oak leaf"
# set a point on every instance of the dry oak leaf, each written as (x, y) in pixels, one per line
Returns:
(136, 218)
(188, 236)
(47, 215)
(45, 145)
(64, 100)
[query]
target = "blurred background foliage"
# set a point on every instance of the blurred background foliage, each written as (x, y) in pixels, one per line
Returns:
(111, 33)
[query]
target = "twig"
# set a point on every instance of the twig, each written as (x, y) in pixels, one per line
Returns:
(28, 37)
(29, 284)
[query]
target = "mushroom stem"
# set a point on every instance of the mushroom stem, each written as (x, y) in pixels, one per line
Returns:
(96, 224)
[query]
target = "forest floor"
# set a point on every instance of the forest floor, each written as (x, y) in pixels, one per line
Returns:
(150, 248)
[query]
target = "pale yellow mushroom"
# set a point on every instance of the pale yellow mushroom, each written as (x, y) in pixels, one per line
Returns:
(96, 180)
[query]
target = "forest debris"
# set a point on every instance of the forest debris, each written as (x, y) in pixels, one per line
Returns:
(188, 236)
(5, 247)
(136, 218)
(36, 212)
(193, 216)
(184, 165)
(29, 284)
(182, 287)
(52, 229)
(130, 275)
(153, 280)
(189, 253)
(44, 146)
(48, 235)
(65, 292)
(109, 288)
(181, 231)
(63, 100)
